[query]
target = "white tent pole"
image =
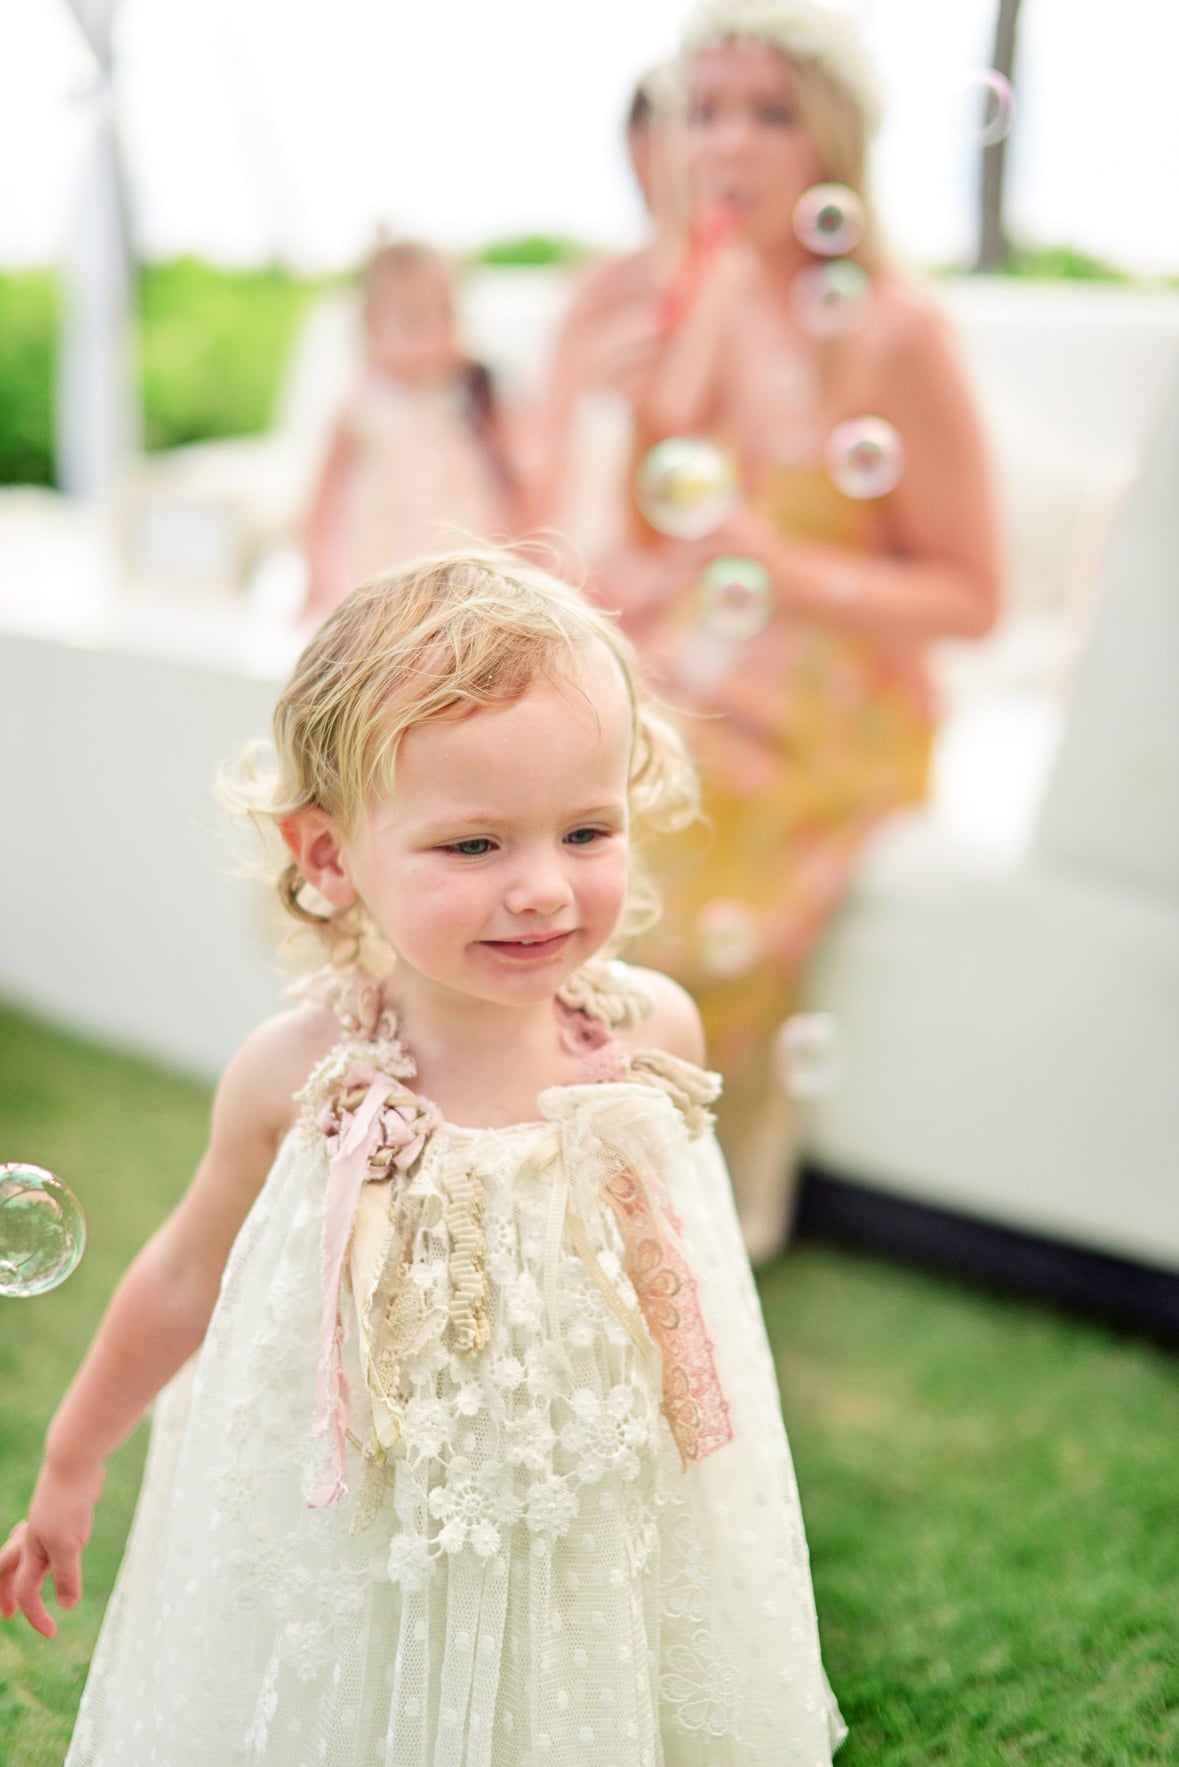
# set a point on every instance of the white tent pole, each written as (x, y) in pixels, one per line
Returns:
(97, 416)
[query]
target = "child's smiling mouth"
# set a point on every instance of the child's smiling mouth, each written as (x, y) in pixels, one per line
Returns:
(528, 948)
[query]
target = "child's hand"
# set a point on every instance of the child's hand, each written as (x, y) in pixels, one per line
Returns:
(48, 1543)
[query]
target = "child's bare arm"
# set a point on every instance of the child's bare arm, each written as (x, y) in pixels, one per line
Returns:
(156, 1319)
(326, 513)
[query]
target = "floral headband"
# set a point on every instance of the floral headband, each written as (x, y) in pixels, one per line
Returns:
(803, 30)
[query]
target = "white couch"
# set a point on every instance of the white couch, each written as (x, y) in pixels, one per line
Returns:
(1009, 996)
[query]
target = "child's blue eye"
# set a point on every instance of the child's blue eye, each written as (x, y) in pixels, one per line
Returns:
(472, 849)
(582, 837)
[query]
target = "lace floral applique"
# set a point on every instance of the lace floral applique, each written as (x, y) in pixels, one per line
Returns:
(703, 1688)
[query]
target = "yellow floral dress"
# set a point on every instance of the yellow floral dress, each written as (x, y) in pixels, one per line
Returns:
(805, 736)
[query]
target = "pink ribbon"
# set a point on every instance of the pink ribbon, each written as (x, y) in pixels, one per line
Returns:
(347, 1167)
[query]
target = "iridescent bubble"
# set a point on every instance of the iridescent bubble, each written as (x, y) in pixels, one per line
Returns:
(808, 1054)
(685, 486)
(831, 299)
(728, 938)
(829, 220)
(42, 1230)
(734, 598)
(990, 105)
(865, 457)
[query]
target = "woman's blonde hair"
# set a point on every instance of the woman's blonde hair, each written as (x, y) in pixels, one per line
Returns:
(435, 639)
(834, 86)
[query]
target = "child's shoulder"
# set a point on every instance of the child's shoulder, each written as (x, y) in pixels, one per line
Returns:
(673, 1024)
(275, 1060)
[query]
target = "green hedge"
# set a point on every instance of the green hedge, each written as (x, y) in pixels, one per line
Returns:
(532, 251)
(28, 324)
(212, 348)
(213, 343)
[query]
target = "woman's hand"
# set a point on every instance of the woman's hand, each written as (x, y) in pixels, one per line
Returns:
(48, 1543)
(619, 351)
(744, 533)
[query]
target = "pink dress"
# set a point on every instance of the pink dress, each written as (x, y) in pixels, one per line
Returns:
(423, 481)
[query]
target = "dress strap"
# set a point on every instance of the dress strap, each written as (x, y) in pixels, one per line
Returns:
(354, 995)
(605, 989)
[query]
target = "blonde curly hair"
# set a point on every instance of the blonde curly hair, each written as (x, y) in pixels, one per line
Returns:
(430, 640)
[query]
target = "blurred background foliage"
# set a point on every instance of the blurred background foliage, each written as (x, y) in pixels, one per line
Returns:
(213, 342)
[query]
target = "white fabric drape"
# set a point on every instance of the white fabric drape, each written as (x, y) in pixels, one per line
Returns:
(97, 425)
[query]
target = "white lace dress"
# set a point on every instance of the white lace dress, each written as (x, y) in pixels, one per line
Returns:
(481, 1463)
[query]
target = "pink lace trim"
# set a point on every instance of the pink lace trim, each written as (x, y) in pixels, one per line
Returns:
(600, 1055)
(696, 1409)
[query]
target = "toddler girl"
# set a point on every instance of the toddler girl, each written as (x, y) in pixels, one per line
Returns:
(418, 456)
(480, 1462)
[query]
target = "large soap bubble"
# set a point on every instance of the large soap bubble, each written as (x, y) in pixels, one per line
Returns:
(990, 105)
(831, 299)
(829, 220)
(734, 598)
(865, 457)
(42, 1230)
(686, 486)
(808, 1054)
(728, 938)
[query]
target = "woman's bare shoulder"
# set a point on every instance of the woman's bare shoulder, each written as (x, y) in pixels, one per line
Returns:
(674, 1024)
(908, 324)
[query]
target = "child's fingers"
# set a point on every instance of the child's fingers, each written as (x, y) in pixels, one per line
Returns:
(9, 1563)
(31, 1573)
(67, 1580)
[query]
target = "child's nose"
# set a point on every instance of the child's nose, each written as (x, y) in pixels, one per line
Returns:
(541, 885)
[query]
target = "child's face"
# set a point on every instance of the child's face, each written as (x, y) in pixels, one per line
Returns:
(409, 324)
(501, 864)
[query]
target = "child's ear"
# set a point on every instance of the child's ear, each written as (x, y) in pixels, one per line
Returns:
(314, 845)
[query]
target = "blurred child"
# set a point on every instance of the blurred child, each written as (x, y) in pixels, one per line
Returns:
(417, 459)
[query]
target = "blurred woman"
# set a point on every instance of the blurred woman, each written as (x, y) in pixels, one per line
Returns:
(864, 529)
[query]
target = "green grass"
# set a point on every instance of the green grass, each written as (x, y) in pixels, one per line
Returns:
(990, 1488)
(125, 1137)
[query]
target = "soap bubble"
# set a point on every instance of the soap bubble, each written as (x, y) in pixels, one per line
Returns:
(831, 299)
(829, 219)
(865, 456)
(990, 105)
(734, 598)
(807, 1054)
(42, 1230)
(728, 938)
(685, 486)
